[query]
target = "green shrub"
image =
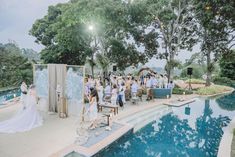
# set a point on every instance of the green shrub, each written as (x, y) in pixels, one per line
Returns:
(213, 89)
(180, 91)
(227, 65)
(223, 81)
(196, 81)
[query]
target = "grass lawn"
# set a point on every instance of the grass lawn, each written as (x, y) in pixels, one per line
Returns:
(196, 81)
(213, 89)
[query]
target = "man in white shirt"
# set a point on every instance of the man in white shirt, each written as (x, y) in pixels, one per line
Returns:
(107, 90)
(134, 87)
(153, 82)
(134, 90)
(114, 80)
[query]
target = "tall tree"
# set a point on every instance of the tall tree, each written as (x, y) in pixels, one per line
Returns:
(65, 32)
(217, 27)
(14, 67)
(174, 23)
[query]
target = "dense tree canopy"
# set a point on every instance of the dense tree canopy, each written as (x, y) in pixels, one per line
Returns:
(170, 26)
(216, 20)
(14, 67)
(76, 31)
(227, 65)
(65, 33)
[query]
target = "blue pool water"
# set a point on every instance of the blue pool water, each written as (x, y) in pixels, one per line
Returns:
(194, 130)
(7, 95)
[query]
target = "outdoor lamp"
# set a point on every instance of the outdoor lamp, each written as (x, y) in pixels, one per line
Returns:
(90, 27)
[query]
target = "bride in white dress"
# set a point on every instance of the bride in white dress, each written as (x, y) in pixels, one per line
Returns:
(26, 118)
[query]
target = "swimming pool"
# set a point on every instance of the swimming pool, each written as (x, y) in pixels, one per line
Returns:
(7, 95)
(194, 130)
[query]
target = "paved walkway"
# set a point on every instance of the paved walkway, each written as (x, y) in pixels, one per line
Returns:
(53, 135)
(233, 147)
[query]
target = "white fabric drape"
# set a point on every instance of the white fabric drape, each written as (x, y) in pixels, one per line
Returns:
(61, 81)
(52, 88)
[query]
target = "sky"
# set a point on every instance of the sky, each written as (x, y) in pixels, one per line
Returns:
(17, 17)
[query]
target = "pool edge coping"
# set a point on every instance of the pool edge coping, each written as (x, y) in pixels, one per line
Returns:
(97, 147)
(226, 141)
(89, 152)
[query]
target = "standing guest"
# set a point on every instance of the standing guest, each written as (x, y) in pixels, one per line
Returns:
(106, 80)
(87, 87)
(93, 82)
(119, 80)
(128, 83)
(142, 79)
(148, 86)
(107, 91)
(134, 87)
(114, 80)
(128, 88)
(134, 90)
(145, 80)
(120, 94)
(165, 80)
(93, 113)
(24, 90)
(161, 81)
(148, 82)
(153, 81)
(97, 81)
(100, 90)
(123, 93)
(114, 95)
(171, 85)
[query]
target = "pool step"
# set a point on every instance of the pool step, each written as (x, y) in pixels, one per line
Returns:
(141, 113)
(139, 124)
(142, 118)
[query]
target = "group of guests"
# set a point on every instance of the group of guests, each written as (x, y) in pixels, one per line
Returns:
(115, 89)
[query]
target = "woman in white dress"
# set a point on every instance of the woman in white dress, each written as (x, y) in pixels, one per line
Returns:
(114, 95)
(26, 119)
(93, 113)
(100, 90)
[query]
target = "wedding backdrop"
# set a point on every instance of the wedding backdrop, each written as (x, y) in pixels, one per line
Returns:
(60, 88)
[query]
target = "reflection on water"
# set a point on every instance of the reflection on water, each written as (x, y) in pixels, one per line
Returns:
(174, 136)
(227, 102)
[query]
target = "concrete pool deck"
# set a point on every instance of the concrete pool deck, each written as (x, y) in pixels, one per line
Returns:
(226, 141)
(57, 137)
(52, 136)
(129, 109)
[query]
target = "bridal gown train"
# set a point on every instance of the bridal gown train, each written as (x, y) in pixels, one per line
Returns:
(25, 119)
